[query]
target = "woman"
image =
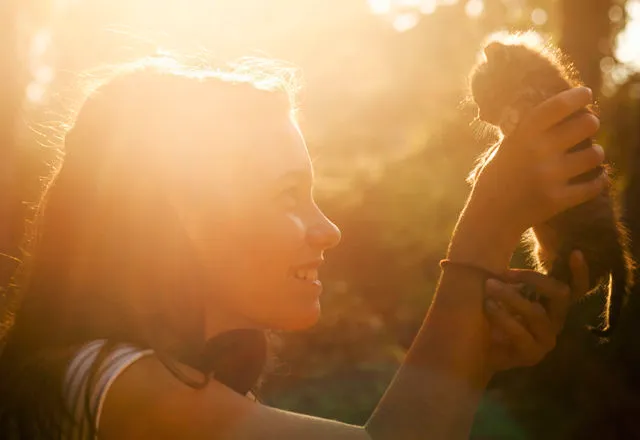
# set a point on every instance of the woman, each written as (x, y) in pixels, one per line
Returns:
(182, 219)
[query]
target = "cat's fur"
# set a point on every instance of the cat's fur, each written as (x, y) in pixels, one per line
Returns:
(514, 76)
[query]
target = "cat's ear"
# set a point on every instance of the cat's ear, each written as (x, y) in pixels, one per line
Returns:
(496, 52)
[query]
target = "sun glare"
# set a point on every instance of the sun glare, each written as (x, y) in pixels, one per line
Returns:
(224, 16)
(41, 72)
(474, 8)
(404, 22)
(628, 42)
(380, 7)
(428, 6)
(401, 7)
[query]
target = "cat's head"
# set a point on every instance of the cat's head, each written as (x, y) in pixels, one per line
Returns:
(513, 76)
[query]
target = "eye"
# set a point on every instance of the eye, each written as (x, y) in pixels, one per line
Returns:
(289, 198)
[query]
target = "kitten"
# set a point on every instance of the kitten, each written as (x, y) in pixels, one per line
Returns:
(514, 77)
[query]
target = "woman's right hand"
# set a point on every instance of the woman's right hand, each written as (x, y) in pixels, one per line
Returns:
(526, 182)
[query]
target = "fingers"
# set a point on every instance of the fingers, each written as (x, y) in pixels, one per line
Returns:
(533, 314)
(580, 162)
(572, 131)
(557, 108)
(505, 321)
(544, 285)
(557, 293)
(580, 275)
(498, 337)
(526, 351)
(580, 192)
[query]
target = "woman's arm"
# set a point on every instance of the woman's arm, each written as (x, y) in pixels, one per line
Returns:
(437, 389)
(147, 402)
(435, 392)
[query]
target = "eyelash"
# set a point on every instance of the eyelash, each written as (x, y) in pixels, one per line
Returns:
(293, 192)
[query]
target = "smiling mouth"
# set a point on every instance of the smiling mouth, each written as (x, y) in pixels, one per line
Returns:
(306, 275)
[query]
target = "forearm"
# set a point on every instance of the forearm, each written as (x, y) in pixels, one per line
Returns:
(437, 389)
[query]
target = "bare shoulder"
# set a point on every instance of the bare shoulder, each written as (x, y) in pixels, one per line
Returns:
(148, 401)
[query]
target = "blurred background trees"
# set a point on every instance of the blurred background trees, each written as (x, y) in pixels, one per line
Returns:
(392, 142)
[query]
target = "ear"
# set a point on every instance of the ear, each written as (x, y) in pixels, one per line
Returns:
(496, 52)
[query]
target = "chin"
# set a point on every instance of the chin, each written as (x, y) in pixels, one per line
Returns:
(298, 320)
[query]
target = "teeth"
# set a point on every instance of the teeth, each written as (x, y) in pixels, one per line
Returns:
(307, 275)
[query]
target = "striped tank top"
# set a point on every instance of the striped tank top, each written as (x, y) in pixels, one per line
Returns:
(77, 378)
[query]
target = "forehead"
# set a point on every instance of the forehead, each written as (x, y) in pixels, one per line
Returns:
(246, 153)
(268, 152)
(274, 148)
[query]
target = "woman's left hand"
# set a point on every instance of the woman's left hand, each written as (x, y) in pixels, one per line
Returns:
(524, 331)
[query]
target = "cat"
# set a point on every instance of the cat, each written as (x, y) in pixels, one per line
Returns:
(514, 76)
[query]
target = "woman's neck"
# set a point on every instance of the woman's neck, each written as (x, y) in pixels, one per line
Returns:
(223, 321)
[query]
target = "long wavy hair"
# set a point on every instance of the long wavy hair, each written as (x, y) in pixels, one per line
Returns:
(106, 256)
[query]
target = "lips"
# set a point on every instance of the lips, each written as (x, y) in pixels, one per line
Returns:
(306, 274)
(308, 271)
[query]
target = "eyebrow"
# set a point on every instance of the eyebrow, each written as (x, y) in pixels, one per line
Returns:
(299, 175)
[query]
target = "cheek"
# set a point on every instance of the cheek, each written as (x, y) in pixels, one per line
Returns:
(259, 282)
(276, 245)
(248, 268)
(265, 247)
(298, 227)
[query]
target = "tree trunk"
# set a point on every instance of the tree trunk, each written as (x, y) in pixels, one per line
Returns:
(586, 37)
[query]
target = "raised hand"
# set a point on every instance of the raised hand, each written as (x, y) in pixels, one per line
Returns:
(523, 331)
(527, 180)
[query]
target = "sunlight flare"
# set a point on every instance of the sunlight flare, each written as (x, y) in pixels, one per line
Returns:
(404, 22)
(428, 6)
(627, 49)
(474, 8)
(380, 7)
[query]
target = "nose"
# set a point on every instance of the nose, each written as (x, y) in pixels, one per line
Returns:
(323, 234)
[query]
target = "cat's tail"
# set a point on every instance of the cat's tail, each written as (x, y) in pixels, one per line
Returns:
(621, 280)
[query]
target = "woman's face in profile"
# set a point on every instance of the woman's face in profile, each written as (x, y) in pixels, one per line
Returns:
(259, 233)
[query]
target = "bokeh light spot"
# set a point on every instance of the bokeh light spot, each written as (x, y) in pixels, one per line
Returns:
(406, 21)
(539, 16)
(616, 13)
(474, 8)
(380, 7)
(428, 6)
